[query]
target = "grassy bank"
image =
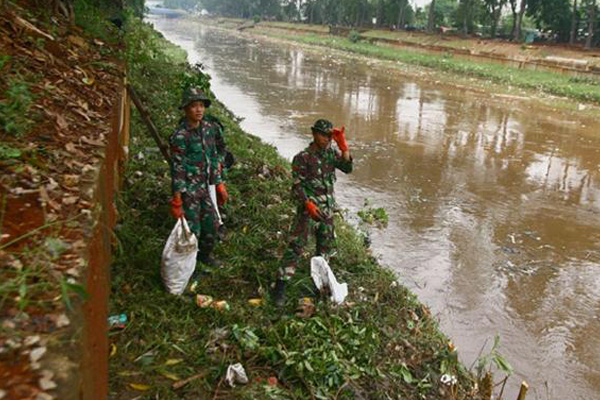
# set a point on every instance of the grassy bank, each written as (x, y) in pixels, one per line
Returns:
(382, 344)
(581, 89)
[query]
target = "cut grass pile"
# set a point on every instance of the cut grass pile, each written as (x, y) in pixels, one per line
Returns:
(382, 344)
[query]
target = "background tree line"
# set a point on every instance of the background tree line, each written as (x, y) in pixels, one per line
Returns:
(561, 21)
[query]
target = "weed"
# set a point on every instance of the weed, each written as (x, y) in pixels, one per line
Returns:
(354, 36)
(7, 152)
(15, 118)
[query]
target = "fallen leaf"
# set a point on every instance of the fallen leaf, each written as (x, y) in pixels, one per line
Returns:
(113, 350)
(61, 122)
(170, 376)
(129, 373)
(88, 81)
(173, 361)
(70, 200)
(70, 147)
(139, 386)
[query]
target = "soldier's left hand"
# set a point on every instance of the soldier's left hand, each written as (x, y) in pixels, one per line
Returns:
(339, 135)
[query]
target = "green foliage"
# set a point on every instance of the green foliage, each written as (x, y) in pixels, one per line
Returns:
(7, 152)
(485, 362)
(370, 215)
(15, 117)
(95, 19)
(182, 4)
(354, 36)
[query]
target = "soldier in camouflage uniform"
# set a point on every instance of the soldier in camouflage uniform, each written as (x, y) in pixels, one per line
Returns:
(196, 164)
(313, 172)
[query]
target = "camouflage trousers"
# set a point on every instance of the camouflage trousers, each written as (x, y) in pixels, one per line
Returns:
(325, 236)
(201, 216)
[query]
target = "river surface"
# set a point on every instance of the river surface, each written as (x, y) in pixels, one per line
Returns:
(494, 204)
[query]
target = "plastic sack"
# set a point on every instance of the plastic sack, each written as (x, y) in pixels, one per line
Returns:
(323, 276)
(212, 191)
(236, 374)
(179, 257)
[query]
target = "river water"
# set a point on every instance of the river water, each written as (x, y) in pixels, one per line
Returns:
(494, 204)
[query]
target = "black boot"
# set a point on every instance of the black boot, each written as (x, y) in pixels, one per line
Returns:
(279, 293)
(206, 259)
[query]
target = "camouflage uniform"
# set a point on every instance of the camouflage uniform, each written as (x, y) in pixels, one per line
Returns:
(197, 163)
(313, 172)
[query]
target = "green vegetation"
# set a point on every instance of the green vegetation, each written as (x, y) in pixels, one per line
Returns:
(382, 343)
(544, 82)
(16, 101)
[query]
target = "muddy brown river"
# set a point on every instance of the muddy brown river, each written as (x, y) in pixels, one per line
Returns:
(494, 204)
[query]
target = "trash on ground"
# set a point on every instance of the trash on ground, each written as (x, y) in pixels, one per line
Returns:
(323, 276)
(117, 321)
(194, 287)
(179, 257)
(306, 308)
(256, 302)
(448, 380)
(221, 305)
(204, 300)
(236, 374)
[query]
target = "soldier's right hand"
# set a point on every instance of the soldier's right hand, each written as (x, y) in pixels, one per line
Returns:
(176, 206)
(313, 210)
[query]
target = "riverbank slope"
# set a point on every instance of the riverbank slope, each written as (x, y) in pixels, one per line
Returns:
(383, 343)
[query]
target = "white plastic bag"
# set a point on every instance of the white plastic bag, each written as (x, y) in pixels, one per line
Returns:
(323, 277)
(212, 191)
(179, 257)
(236, 374)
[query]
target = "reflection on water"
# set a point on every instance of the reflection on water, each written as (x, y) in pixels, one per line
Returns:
(494, 205)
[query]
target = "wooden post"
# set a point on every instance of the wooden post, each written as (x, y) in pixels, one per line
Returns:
(523, 391)
(149, 124)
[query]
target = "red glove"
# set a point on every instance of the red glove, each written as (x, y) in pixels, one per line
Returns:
(176, 209)
(313, 210)
(222, 195)
(339, 136)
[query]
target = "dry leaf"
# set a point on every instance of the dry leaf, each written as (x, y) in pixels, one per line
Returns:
(70, 147)
(173, 361)
(46, 199)
(139, 386)
(129, 373)
(61, 122)
(70, 200)
(170, 376)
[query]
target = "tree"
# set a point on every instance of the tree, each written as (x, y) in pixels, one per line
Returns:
(589, 41)
(573, 35)
(431, 17)
(552, 15)
(494, 11)
(519, 21)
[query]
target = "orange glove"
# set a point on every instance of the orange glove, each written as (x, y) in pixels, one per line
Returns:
(176, 206)
(222, 195)
(339, 136)
(313, 210)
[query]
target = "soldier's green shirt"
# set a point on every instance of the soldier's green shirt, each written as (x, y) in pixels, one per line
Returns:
(313, 172)
(197, 161)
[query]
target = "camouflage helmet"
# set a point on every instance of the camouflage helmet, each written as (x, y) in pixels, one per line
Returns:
(192, 94)
(322, 126)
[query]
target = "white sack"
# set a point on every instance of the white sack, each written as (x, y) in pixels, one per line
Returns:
(323, 277)
(179, 257)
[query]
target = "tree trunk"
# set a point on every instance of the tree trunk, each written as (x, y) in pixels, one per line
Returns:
(431, 17)
(495, 18)
(517, 36)
(589, 42)
(513, 8)
(466, 12)
(573, 36)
